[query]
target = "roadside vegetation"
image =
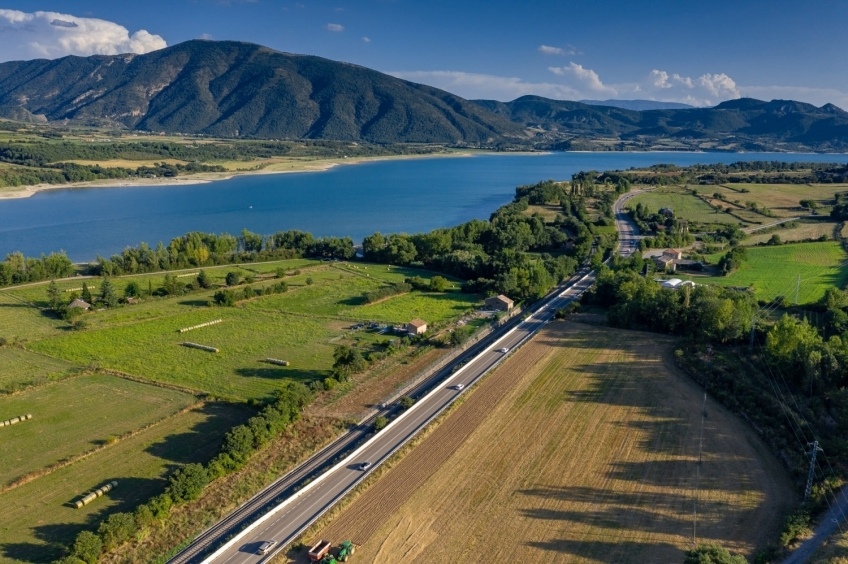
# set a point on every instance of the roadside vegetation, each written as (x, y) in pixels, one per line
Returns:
(228, 324)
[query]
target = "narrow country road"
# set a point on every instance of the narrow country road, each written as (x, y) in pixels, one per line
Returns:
(828, 526)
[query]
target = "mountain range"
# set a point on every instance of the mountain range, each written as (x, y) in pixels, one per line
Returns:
(235, 89)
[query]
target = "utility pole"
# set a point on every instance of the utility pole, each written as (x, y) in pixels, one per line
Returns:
(812, 474)
(797, 287)
(698, 475)
(753, 331)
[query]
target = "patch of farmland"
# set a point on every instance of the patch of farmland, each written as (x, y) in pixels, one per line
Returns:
(22, 369)
(152, 349)
(774, 271)
(583, 447)
(801, 232)
(433, 307)
(331, 293)
(76, 416)
(20, 321)
(685, 206)
(784, 199)
(37, 293)
(37, 519)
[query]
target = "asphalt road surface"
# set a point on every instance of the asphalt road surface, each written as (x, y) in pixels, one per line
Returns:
(304, 508)
(330, 481)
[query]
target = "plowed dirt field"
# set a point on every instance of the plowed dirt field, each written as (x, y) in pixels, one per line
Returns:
(582, 447)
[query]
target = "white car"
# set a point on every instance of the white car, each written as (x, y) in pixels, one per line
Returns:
(266, 547)
(504, 350)
(459, 387)
(365, 466)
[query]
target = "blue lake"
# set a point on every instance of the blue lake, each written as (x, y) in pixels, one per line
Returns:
(410, 196)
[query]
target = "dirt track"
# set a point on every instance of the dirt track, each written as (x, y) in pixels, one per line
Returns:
(582, 448)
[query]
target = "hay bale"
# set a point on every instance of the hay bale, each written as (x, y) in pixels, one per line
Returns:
(198, 346)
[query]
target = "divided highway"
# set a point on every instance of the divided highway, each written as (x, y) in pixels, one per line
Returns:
(282, 512)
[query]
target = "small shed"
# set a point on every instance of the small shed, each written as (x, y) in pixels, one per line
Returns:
(79, 304)
(499, 303)
(416, 327)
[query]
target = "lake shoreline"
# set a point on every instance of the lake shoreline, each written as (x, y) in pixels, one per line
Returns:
(318, 165)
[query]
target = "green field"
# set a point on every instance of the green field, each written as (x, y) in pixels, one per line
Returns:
(301, 326)
(75, 416)
(20, 321)
(774, 271)
(36, 519)
(782, 199)
(684, 205)
(22, 369)
(137, 433)
(800, 232)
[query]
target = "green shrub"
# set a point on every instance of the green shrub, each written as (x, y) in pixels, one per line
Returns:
(380, 423)
(187, 482)
(87, 547)
(117, 529)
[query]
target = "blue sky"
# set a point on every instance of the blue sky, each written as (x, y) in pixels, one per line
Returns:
(674, 50)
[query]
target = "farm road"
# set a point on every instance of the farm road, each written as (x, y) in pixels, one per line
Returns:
(826, 528)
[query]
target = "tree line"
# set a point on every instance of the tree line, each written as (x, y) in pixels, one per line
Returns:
(187, 483)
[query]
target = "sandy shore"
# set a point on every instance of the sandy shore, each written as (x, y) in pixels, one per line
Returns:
(204, 177)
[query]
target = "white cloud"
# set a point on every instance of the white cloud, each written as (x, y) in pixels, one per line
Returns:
(366, 39)
(52, 35)
(548, 50)
(719, 85)
(660, 79)
(587, 76)
(679, 88)
(334, 27)
(206, 36)
(684, 80)
(475, 86)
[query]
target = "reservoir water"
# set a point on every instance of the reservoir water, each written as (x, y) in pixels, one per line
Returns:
(395, 196)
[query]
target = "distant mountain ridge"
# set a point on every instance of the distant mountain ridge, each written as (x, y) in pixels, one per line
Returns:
(235, 89)
(638, 105)
(746, 123)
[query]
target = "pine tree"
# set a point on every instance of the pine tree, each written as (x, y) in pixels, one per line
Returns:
(86, 293)
(54, 296)
(107, 293)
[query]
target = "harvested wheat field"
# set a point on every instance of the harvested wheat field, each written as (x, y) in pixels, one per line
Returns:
(583, 447)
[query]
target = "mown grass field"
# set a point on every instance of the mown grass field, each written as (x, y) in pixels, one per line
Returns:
(299, 326)
(782, 199)
(76, 416)
(583, 447)
(774, 271)
(685, 206)
(22, 369)
(136, 432)
(37, 293)
(36, 519)
(19, 321)
(802, 232)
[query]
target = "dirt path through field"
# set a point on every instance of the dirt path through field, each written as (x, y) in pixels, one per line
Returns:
(583, 447)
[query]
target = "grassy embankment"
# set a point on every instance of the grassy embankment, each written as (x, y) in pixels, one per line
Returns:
(583, 447)
(134, 430)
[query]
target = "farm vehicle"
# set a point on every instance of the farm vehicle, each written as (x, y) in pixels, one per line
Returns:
(321, 552)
